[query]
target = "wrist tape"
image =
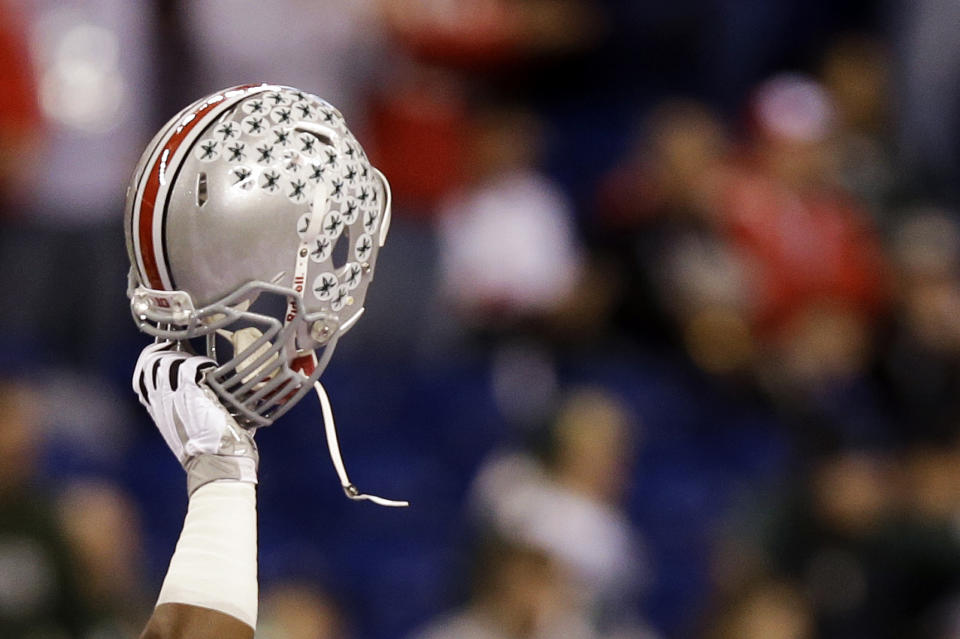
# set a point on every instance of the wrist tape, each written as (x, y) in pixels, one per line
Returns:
(215, 563)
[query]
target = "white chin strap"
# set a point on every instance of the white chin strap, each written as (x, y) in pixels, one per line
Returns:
(334, 445)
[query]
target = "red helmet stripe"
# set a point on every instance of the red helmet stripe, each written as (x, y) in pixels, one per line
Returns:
(149, 209)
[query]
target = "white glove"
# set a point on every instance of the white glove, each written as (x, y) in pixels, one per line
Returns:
(205, 438)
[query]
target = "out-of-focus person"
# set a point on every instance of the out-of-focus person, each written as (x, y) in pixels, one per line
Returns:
(920, 361)
(40, 597)
(419, 125)
(856, 73)
(568, 505)
(671, 171)
(656, 225)
(873, 544)
(509, 254)
(518, 592)
(443, 53)
(92, 61)
(806, 242)
(816, 275)
(101, 524)
(928, 93)
(19, 106)
(490, 33)
(824, 537)
(764, 609)
(325, 46)
(300, 610)
(929, 484)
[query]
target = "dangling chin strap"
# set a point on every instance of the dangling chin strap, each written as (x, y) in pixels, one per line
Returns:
(330, 427)
(306, 364)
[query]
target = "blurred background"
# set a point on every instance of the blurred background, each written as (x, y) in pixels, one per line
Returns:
(664, 342)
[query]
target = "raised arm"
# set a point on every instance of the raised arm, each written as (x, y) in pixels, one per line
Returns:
(184, 621)
(210, 590)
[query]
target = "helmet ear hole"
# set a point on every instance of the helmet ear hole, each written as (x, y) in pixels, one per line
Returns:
(201, 189)
(338, 257)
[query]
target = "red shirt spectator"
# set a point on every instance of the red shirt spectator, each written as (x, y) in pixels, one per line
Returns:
(802, 248)
(19, 109)
(806, 243)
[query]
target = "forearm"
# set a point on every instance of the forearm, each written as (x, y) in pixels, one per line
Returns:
(182, 621)
(210, 591)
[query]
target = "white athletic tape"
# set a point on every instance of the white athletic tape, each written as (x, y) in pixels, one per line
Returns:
(215, 563)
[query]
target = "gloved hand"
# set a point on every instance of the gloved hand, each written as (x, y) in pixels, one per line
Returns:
(206, 439)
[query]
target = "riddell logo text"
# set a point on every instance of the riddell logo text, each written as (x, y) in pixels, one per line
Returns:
(291, 305)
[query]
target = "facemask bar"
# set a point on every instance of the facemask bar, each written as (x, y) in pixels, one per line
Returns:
(258, 384)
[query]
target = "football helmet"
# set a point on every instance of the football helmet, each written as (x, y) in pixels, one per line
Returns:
(253, 222)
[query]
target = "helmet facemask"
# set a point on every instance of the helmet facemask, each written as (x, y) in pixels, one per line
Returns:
(265, 366)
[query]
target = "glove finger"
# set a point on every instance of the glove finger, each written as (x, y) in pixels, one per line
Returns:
(176, 438)
(192, 370)
(154, 365)
(163, 375)
(160, 378)
(206, 422)
(189, 399)
(185, 370)
(147, 356)
(204, 418)
(147, 371)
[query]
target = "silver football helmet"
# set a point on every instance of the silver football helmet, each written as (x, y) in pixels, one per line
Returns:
(253, 222)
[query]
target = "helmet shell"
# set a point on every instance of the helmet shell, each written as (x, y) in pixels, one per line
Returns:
(254, 190)
(225, 194)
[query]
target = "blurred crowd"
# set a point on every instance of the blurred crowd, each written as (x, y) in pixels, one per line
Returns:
(665, 340)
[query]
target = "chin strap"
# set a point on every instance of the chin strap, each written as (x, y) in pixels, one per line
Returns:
(306, 364)
(331, 428)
